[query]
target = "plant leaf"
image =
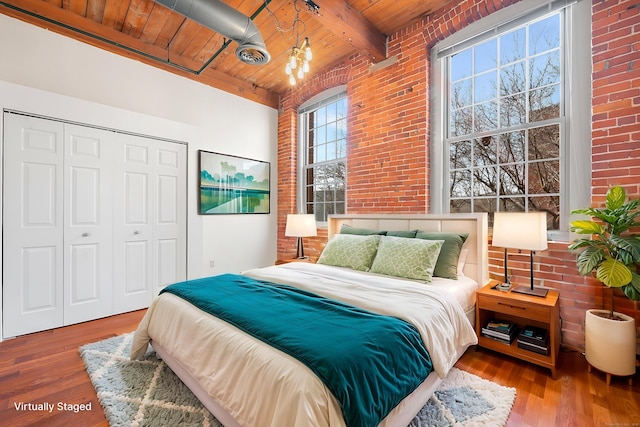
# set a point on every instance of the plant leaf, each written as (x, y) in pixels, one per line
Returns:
(631, 293)
(635, 282)
(628, 248)
(580, 243)
(616, 197)
(583, 211)
(632, 290)
(613, 273)
(586, 227)
(589, 259)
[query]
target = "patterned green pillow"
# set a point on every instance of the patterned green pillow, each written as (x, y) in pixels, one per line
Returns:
(351, 251)
(408, 258)
(407, 233)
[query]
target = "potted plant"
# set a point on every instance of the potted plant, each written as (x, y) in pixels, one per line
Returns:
(612, 254)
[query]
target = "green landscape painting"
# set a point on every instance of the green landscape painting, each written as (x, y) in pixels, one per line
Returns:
(233, 185)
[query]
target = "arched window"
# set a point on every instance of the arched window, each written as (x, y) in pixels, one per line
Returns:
(323, 154)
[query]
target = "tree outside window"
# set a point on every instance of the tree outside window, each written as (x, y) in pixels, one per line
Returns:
(504, 122)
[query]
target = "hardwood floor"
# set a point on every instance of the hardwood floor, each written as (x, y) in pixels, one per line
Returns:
(46, 367)
(575, 398)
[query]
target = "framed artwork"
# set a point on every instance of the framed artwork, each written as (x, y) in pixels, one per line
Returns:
(233, 185)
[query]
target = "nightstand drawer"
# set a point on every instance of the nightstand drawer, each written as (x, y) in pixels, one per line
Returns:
(514, 308)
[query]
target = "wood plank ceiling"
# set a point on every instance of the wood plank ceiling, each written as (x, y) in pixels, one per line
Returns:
(152, 33)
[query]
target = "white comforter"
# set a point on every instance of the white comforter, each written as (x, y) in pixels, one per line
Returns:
(261, 386)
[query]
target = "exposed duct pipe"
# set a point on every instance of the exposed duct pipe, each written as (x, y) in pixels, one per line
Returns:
(227, 21)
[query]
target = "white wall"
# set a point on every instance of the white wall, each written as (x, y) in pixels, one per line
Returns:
(48, 74)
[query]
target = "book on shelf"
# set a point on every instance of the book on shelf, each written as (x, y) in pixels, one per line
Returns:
(500, 330)
(496, 334)
(534, 335)
(544, 350)
(508, 340)
(499, 325)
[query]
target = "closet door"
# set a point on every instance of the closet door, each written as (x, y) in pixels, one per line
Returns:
(32, 225)
(149, 219)
(132, 257)
(89, 157)
(94, 222)
(170, 222)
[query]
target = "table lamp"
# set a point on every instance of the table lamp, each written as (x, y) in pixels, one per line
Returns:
(521, 230)
(300, 225)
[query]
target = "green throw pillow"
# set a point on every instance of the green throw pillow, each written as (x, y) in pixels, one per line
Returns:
(447, 265)
(406, 233)
(351, 251)
(347, 229)
(408, 258)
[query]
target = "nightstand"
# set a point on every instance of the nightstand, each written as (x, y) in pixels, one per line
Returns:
(522, 310)
(287, 261)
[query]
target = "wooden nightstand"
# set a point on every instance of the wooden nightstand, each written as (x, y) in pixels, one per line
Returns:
(286, 261)
(522, 310)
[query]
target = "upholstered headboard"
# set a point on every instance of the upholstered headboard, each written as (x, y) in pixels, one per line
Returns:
(476, 265)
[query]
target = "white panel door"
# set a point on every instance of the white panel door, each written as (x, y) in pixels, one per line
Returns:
(133, 233)
(170, 221)
(149, 219)
(32, 225)
(89, 157)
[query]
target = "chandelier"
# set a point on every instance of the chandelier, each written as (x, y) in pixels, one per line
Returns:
(300, 56)
(298, 63)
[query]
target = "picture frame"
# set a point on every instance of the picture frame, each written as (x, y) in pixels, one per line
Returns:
(233, 185)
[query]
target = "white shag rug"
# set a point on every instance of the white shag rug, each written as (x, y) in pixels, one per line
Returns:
(148, 393)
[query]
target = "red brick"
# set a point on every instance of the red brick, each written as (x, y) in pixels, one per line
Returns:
(389, 135)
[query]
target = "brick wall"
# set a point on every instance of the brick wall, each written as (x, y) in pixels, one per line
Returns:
(615, 126)
(388, 141)
(616, 97)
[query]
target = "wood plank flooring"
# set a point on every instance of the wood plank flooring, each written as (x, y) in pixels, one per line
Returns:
(46, 367)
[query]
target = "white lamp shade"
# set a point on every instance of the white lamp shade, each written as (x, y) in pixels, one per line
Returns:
(301, 225)
(520, 230)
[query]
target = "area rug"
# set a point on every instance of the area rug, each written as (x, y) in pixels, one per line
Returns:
(147, 393)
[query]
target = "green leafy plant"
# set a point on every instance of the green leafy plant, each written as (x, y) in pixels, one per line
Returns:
(610, 251)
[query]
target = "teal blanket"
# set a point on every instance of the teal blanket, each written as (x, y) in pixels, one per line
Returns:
(369, 362)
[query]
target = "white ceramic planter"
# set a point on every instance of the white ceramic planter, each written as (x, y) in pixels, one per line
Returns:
(610, 345)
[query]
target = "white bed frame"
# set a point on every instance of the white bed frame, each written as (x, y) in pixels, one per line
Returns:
(476, 267)
(475, 224)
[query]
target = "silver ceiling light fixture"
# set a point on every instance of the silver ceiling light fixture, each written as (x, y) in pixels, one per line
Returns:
(227, 21)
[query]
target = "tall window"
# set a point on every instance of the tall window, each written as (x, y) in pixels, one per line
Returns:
(506, 108)
(324, 155)
(505, 117)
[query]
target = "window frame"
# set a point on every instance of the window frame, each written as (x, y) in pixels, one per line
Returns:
(318, 101)
(575, 165)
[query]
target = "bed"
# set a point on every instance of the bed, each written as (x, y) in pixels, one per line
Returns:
(245, 382)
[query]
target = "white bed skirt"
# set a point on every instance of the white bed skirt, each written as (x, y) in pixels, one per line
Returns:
(401, 416)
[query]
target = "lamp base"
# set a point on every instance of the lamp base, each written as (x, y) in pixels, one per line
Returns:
(537, 292)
